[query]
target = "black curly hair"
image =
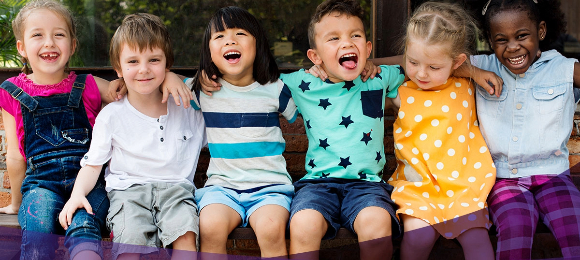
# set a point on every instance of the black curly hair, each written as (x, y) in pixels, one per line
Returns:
(544, 10)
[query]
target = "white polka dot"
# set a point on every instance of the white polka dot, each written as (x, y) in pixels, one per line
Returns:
(448, 234)
(468, 148)
(456, 218)
(472, 217)
(487, 217)
(441, 206)
(435, 176)
(408, 133)
(465, 204)
(426, 156)
(449, 130)
(438, 143)
(476, 123)
(457, 84)
(465, 104)
(445, 109)
(477, 165)
(451, 152)
(401, 114)
(451, 204)
(410, 100)
(453, 95)
(450, 193)
(435, 122)
(426, 195)
(469, 91)
(415, 151)
(451, 179)
(432, 205)
(428, 103)
(423, 208)
(471, 179)
(436, 219)
(405, 84)
(409, 211)
(464, 160)
(418, 118)
(489, 175)
(408, 204)
(493, 165)
(481, 204)
(455, 174)
(437, 187)
(440, 166)
(483, 149)
(471, 135)
(476, 199)
(391, 179)
(401, 188)
(399, 130)
(423, 137)
(461, 138)
(418, 183)
(459, 116)
(414, 160)
(399, 146)
(482, 185)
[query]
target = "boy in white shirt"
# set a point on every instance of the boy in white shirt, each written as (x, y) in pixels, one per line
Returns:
(153, 149)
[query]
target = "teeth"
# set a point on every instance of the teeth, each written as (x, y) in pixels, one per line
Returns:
(517, 60)
(348, 55)
(51, 55)
(232, 53)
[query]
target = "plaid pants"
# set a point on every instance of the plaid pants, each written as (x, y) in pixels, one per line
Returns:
(516, 204)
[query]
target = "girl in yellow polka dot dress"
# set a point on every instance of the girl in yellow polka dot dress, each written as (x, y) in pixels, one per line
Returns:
(444, 170)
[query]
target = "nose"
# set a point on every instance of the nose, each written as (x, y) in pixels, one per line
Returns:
(347, 43)
(144, 68)
(421, 73)
(230, 41)
(512, 46)
(48, 42)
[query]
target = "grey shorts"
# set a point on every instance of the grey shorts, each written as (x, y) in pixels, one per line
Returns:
(147, 216)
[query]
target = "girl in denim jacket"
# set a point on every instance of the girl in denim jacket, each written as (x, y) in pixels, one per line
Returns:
(528, 125)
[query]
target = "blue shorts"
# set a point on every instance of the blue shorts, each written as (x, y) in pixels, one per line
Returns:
(339, 201)
(245, 202)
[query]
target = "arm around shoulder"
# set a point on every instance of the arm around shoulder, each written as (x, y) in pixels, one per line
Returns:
(577, 75)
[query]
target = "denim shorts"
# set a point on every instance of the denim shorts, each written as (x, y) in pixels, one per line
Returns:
(340, 201)
(245, 202)
(151, 215)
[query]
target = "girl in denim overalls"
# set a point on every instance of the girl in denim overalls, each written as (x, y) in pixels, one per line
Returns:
(528, 126)
(48, 117)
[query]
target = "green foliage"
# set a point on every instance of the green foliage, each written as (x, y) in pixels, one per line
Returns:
(8, 53)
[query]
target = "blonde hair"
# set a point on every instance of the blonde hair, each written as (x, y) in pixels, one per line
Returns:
(443, 23)
(140, 31)
(53, 6)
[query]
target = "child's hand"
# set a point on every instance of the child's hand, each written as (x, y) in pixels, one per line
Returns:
(117, 89)
(209, 85)
(317, 71)
(370, 70)
(174, 85)
(75, 202)
(490, 81)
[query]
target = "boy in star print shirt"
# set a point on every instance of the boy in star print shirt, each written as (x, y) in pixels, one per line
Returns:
(344, 124)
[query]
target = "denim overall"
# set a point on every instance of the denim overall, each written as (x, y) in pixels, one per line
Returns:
(57, 135)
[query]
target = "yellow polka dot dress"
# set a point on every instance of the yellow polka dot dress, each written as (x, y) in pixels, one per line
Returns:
(444, 169)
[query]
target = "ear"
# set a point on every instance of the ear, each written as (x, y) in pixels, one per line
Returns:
(314, 57)
(542, 30)
(461, 58)
(73, 46)
(369, 48)
(119, 73)
(20, 48)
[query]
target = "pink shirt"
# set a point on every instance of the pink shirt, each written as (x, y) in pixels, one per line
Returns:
(91, 98)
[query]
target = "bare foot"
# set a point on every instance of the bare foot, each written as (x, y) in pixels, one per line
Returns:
(10, 210)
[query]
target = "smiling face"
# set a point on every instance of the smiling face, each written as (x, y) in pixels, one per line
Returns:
(341, 46)
(430, 65)
(142, 71)
(47, 44)
(515, 39)
(233, 51)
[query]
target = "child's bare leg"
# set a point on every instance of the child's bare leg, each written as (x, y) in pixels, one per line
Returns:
(373, 228)
(216, 221)
(15, 184)
(307, 227)
(476, 244)
(15, 164)
(87, 255)
(129, 256)
(184, 247)
(269, 224)
(418, 239)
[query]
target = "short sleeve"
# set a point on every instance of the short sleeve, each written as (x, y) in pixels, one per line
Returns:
(101, 148)
(91, 98)
(287, 106)
(392, 76)
(195, 101)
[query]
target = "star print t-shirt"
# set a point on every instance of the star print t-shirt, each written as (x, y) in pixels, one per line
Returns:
(344, 123)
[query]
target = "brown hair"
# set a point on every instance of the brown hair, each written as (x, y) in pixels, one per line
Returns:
(347, 7)
(53, 6)
(140, 31)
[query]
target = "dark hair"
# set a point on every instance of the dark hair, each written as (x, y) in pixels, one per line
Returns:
(265, 67)
(348, 7)
(544, 10)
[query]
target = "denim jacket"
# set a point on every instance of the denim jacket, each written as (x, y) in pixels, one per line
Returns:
(527, 127)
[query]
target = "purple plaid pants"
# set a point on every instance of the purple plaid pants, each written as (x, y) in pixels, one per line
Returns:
(516, 204)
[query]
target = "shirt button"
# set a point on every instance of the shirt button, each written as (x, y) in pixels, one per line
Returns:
(515, 138)
(514, 171)
(161, 127)
(519, 106)
(161, 139)
(184, 137)
(86, 157)
(522, 75)
(550, 91)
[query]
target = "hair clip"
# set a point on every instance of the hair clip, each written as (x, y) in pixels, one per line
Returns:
(486, 6)
(535, 1)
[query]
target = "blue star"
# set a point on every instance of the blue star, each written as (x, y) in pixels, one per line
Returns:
(346, 121)
(366, 137)
(401, 70)
(324, 143)
(328, 81)
(379, 157)
(325, 175)
(311, 164)
(308, 124)
(324, 103)
(362, 175)
(344, 162)
(378, 76)
(304, 86)
(348, 85)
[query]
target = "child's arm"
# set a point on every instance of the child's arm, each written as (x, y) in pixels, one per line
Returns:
(490, 81)
(15, 164)
(577, 74)
(173, 84)
(85, 182)
(370, 71)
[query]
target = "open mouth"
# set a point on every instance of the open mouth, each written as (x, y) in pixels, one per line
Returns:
(349, 61)
(517, 60)
(232, 56)
(49, 56)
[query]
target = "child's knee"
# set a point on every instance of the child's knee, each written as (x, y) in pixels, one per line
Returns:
(308, 224)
